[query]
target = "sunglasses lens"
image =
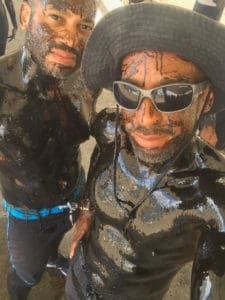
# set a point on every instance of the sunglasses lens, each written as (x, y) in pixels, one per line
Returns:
(126, 95)
(172, 98)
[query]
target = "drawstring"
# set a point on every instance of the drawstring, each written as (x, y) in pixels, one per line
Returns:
(116, 149)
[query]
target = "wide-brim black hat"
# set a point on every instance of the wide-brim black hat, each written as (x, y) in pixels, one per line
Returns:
(152, 26)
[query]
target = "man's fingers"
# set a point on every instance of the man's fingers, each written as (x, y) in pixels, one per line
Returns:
(73, 248)
(76, 239)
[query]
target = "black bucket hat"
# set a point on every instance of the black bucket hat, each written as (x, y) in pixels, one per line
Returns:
(152, 26)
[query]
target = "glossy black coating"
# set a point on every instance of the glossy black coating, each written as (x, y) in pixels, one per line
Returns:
(182, 221)
(43, 120)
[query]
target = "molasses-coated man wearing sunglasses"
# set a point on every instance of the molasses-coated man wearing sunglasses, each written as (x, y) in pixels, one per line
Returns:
(156, 192)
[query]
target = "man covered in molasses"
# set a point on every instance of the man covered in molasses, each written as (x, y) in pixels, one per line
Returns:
(155, 196)
(44, 116)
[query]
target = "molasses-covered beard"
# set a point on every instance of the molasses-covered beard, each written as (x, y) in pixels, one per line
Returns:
(159, 156)
(156, 158)
(52, 59)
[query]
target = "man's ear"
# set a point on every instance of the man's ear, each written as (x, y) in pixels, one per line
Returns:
(25, 12)
(209, 100)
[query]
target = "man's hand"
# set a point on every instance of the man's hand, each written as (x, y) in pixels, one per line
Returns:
(82, 226)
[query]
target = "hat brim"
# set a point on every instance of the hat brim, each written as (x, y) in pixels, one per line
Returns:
(152, 26)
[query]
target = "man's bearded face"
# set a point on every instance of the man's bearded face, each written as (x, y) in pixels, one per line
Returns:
(57, 33)
(157, 136)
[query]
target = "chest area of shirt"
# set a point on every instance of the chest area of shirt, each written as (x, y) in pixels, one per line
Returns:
(155, 208)
(33, 115)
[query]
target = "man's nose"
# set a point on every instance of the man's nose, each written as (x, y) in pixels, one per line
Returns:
(69, 37)
(147, 115)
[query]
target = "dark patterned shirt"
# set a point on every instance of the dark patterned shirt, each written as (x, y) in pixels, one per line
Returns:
(42, 123)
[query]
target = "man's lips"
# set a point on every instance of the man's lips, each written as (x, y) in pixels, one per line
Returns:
(62, 57)
(151, 141)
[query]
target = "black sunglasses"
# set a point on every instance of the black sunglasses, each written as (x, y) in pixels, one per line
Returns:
(166, 98)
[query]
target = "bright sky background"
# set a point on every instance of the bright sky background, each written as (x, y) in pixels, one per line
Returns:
(111, 4)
